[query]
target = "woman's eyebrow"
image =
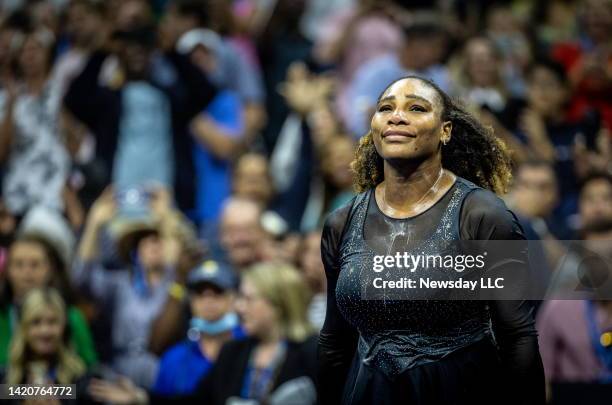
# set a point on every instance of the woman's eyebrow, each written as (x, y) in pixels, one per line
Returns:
(414, 96)
(418, 98)
(388, 98)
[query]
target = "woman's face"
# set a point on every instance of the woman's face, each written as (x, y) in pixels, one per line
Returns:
(33, 59)
(258, 315)
(210, 303)
(44, 334)
(481, 62)
(131, 14)
(151, 252)
(311, 263)
(596, 201)
(28, 267)
(406, 124)
(546, 94)
(336, 161)
(251, 179)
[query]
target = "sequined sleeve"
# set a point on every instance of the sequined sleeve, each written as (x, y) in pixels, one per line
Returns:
(485, 217)
(337, 339)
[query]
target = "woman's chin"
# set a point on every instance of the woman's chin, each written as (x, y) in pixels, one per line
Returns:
(399, 153)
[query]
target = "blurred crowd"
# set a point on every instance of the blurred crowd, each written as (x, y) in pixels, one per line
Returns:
(167, 166)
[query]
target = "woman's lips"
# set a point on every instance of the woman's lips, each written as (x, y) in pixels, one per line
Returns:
(397, 135)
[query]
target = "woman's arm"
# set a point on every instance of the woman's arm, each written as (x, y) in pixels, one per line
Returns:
(215, 139)
(517, 338)
(338, 339)
(485, 217)
(86, 272)
(537, 138)
(7, 124)
(171, 323)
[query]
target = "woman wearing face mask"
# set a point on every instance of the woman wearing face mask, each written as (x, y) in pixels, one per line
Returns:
(427, 172)
(212, 287)
(274, 365)
(34, 262)
(40, 352)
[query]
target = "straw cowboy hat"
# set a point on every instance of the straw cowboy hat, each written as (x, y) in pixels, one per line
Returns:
(136, 221)
(128, 232)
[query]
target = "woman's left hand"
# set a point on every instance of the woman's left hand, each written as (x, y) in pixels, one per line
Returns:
(598, 160)
(302, 90)
(124, 392)
(161, 202)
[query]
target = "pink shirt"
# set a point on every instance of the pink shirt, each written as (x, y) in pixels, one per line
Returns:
(565, 345)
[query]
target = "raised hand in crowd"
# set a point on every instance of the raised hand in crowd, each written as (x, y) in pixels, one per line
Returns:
(303, 90)
(101, 212)
(534, 127)
(168, 328)
(598, 160)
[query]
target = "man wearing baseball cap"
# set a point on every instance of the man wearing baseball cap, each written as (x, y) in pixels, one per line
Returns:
(211, 290)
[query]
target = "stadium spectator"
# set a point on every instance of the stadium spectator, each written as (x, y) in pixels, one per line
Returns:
(274, 365)
(211, 293)
(148, 236)
(35, 158)
(39, 353)
(39, 257)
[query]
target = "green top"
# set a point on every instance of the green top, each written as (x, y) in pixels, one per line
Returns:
(81, 336)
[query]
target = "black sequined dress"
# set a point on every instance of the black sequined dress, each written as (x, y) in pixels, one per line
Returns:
(421, 350)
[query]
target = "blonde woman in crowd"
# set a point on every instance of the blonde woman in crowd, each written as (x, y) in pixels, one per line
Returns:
(35, 262)
(39, 352)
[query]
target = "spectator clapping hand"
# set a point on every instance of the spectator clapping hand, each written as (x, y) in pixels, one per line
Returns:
(534, 127)
(161, 202)
(598, 160)
(103, 210)
(302, 90)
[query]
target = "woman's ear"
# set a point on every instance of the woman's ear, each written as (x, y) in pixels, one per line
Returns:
(447, 128)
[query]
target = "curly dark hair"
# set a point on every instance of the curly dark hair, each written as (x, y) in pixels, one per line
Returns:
(473, 151)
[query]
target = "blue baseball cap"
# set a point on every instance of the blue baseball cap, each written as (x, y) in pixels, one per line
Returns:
(212, 272)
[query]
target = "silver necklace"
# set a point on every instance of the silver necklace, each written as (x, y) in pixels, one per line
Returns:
(433, 188)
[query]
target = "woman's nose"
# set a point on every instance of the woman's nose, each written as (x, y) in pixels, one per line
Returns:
(398, 117)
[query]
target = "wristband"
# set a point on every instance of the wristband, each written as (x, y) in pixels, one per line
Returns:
(177, 291)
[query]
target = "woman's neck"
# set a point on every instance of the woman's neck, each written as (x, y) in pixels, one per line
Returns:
(270, 337)
(41, 358)
(35, 83)
(267, 349)
(211, 344)
(47, 360)
(408, 185)
(154, 275)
